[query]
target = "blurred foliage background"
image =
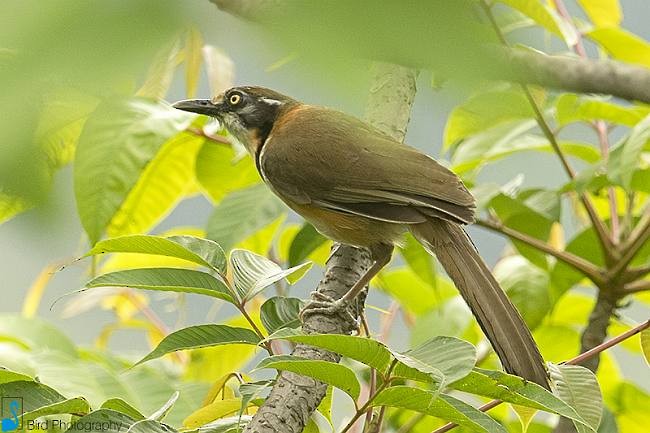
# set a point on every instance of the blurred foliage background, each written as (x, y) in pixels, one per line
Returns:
(91, 151)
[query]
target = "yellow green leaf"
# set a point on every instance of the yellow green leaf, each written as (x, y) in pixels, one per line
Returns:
(622, 45)
(161, 72)
(11, 206)
(161, 185)
(193, 46)
(603, 13)
(545, 17)
(645, 345)
(525, 415)
(215, 410)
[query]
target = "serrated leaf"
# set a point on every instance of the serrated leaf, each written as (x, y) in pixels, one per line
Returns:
(546, 17)
(440, 406)
(203, 252)
(571, 108)
(622, 45)
(11, 206)
(40, 400)
(165, 279)
(603, 13)
(161, 72)
(526, 286)
(193, 48)
(331, 373)
(119, 405)
(280, 312)
(451, 357)
(631, 151)
(242, 213)
(166, 180)
(484, 111)
(304, 243)
(213, 411)
(370, 352)
(578, 387)
(106, 421)
(645, 345)
(119, 139)
(201, 336)
(253, 273)
(163, 411)
(515, 390)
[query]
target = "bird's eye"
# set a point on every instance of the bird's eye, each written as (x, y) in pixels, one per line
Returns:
(235, 99)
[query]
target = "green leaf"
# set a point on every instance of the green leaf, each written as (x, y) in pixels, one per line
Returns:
(451, 357)
(104, 421)
(203, 252)
(165, 279)
(365, 350)
(253, 273)
(7, 376)
(622, 45)
(500, 142)
(578, 387)
(451, 318)
(241, 214)
(571, 108)
(280, 312)
(645, 344)
(166, 179)
(39, 400)
(420, 261)
(36, 334)
(11, 206)
(545, 17)
(233, 424)
(584, 244)
(413, 293)
(119, 405)
(440, 406)
(161, 72)
(201, 336)
(484, 111)
(193, 46)
(331, 373)
(119, 139)
(304, 243)
(163, 411)
(631, 150)
(603, 13)
(220, 173)
(515, 390)
(215, 410)
(526, 286)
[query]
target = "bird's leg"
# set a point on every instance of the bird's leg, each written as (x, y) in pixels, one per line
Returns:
(323, 304)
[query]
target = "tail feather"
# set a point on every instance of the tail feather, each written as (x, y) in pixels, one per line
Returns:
(499, 319)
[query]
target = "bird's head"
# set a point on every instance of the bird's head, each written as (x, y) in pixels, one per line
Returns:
(247, 112)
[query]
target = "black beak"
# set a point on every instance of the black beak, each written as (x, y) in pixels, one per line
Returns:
(200, 106)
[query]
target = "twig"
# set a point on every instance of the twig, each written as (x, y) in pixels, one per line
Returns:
(573, 361)
(631, 246)
(215, 138)
(603, 236)
(585, 267)
(636, 287)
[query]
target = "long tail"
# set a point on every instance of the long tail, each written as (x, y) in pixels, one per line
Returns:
(499, 319)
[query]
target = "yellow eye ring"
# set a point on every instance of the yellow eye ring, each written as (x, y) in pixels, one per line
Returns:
(235, 99)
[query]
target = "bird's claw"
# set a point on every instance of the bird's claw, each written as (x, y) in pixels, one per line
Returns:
(328, 306)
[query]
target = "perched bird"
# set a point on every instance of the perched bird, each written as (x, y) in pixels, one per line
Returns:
(360, 187)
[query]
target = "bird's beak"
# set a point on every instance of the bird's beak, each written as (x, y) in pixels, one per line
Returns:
(200, 106)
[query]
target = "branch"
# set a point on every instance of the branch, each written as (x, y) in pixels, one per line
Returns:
(573, 361)
(578, 263)
(633, 244)
(636, 287)
(607, 77)
(294, 398)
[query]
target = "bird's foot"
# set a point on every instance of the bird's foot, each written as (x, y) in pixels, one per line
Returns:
(328, 306)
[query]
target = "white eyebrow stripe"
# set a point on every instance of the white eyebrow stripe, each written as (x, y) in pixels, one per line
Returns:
(271, 101)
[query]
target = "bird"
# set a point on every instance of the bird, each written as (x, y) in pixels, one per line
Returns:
(358, 186)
